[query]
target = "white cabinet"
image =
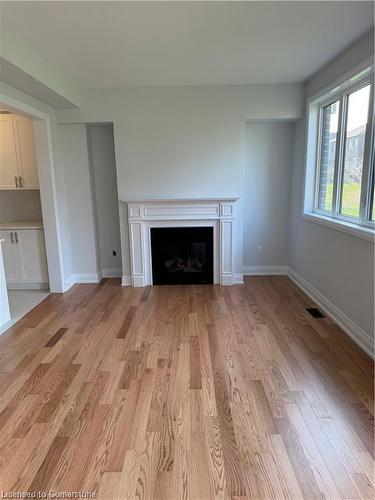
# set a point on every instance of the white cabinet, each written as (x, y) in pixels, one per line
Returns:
(18, 163)
(32, 255)
(25, 259)
(27, 165)
(8, 154)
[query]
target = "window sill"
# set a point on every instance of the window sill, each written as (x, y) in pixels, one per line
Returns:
(339, 225)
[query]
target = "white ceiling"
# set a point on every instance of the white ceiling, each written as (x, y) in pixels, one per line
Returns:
(106, 44)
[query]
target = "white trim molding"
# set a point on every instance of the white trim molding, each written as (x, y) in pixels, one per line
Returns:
(238, 279)
(68, 283)
(355, 332)
(30, 285)
(111, 273)
(339, 91)
(340, 225)
(220, 214)
(126, 281)
(87, 278)
(4, 301)
(75, 279)
(265, 270)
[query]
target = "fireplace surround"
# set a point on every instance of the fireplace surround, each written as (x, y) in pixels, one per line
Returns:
(217, 214)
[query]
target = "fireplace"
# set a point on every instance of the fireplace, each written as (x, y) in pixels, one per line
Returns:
(182, 255)
(215, 217)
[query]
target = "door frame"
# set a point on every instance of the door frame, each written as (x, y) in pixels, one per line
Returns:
(47, 185)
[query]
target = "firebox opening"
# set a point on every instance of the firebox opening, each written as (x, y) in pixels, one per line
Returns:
(182, 255)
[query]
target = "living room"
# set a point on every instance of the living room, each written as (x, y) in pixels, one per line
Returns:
(206, 196)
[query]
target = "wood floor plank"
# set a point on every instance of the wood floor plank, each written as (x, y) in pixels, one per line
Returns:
(46, 471)
(53, 341)
(194, 392)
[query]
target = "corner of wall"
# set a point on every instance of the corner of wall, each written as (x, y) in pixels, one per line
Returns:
(355, 332)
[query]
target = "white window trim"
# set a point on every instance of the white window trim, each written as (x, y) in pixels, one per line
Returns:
(340, 225)
(310, 212)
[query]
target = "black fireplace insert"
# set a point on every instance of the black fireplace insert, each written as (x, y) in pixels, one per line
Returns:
(182, 255)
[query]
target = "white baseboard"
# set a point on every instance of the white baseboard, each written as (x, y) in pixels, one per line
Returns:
(137, 281)
(28, 286)
(68, 283)
(227, 279)
(264, 270)
(112, 273)
(355, 332)
(91, 277)
(238, 279)
(87, 278)
(81, 278)
(126, 281)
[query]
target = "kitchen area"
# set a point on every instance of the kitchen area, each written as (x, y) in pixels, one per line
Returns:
(23, 269)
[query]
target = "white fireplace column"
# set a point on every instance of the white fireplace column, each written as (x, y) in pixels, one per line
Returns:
(220, 214)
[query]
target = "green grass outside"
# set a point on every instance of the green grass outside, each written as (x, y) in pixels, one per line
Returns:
(350, 199)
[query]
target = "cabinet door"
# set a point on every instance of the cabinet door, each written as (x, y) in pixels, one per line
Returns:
(32, 255)
(27, 164)
(10, 256)
(8, 154)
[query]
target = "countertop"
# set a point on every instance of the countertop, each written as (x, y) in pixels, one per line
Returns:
(22, 225)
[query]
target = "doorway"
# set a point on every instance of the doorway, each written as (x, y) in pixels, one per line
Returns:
(21, 218)
(33, 195)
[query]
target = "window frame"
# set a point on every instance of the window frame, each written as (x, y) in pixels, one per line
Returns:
(342, 96)
(331, 100)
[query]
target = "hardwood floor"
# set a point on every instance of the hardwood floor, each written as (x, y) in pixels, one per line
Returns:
(185, 392)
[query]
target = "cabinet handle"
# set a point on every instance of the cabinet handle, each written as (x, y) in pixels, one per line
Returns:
(11, 238)
(21, 182)
(16, 236)
(16, 179)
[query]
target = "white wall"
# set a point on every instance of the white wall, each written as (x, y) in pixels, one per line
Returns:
(24, 68)
(347, 60)
(104, 186)
(269, 152)
(184, 141)
(80, 211)
(338, 265)
(62, 203)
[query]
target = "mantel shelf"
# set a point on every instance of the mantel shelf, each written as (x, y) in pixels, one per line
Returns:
(178, 200)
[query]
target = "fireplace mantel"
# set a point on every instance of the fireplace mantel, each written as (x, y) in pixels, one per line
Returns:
(219, 213)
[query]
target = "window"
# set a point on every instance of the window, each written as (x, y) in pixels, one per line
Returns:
(355, 134)
(344, 172)
(329, 129)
